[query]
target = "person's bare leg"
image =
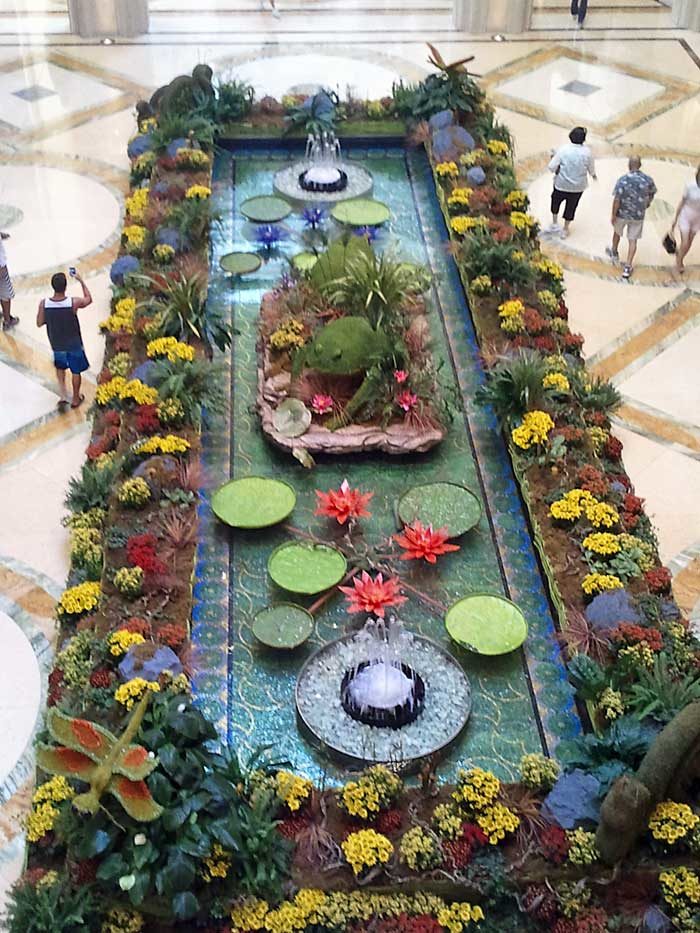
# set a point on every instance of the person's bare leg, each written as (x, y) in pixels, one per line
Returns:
(616, 242)
(567, 225)
(76, 380)
(682, 251)
(6, 308)
(63, 390)
(631, 251)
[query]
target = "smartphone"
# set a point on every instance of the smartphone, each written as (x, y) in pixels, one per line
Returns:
(71, 271)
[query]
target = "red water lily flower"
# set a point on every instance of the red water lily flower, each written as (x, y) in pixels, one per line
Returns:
(420, 541)
(343, 504)
(400, 375)
(407, 400)
(372, 596)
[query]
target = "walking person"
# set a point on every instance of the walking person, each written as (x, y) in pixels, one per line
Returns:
(273, 7)
(7, 292)
(632, 195)
(687, 220)
(571, 164)
(579, 8)
(60, 315)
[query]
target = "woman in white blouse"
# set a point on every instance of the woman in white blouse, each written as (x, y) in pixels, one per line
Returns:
(571, 164)
(687, 220)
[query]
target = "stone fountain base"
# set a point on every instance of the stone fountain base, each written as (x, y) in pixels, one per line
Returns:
(357, 183)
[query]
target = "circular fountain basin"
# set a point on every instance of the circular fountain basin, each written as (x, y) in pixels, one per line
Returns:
(435, 729)
(349, 181)
(387, 696)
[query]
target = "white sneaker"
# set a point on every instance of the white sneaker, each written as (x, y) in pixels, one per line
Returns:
(564, 233)
(552, 229)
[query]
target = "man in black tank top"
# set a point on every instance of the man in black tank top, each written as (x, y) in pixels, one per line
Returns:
(60, 315)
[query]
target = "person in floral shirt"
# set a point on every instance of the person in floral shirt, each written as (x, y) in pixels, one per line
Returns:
(632, 195)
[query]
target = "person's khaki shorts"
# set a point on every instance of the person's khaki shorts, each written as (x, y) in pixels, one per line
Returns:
(634, 228)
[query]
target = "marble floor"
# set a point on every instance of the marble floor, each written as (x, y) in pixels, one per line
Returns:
(66, 113)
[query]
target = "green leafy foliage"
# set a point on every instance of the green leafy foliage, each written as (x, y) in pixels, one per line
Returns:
(196, 384)
(448, 90)
(315, 115)
(234, 100)
(587, 676)
(91, 489)
(51, 906)
(658, 694)
(620, 748)
(594, 393)
(192, 218)
(480, 254)
(514, 385)
(172, 126)
(184, 312)
(487, 126)
(333, 263)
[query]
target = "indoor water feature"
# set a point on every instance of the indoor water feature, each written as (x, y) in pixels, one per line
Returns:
(323, 175)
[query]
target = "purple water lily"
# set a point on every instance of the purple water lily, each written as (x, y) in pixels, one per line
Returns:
(314, 217)
(369, 233)
(270, 235)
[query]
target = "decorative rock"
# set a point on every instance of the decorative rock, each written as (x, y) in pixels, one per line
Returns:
(573, 800)
(171, 237)
(655, 921)
(158, 470)
(441, 120)
(149, 661)
(139, 144)
(476, 175)
(452, 142)
(145, 372)
(176, 144)
(271, 106)
(607, 610)
(124, 265)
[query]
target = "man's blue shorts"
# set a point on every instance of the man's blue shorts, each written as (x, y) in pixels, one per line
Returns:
(75, 360)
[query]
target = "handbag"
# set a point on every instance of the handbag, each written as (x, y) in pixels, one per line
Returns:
(669, 243)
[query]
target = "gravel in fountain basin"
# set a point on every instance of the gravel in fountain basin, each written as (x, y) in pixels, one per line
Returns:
(286, 183)
(445, 713)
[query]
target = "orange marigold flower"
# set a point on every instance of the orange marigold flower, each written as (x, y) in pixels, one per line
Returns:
(421, 542)
(372, 596)
(343, 504)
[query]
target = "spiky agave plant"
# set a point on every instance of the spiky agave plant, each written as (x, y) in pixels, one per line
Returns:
(514, 385)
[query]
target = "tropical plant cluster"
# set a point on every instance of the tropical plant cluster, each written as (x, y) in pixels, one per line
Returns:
(139, 821)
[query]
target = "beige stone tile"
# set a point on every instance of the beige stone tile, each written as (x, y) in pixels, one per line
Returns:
(677, 127)
(664, 56)
(604, 310)
(103, 139)
(531, 136)
(670, 483)
(669, 381)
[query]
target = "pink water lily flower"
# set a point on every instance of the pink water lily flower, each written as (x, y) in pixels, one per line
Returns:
(407, 400)
(400, 375)
(322, 404)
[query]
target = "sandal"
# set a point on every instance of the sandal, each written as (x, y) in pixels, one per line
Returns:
(10, 322)
(78, 403)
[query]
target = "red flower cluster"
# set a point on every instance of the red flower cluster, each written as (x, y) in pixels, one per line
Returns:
(292, 826)
(630, 634)
(55, 691)
(141, 552)
(534, 322)
(122, 343)
(405, 924)
(343, 504)
(562, 311)
(593, 480)
(137, 627)
(572, 342)
(597, 418)
(83, 872)
(459, 852)
(421, 542)
(372, 596)
(103, 443)
(632, 504)
(147, 420)
(172, 635)
(554, 844)
(570, 433)
(658, 580)
(101, 677)
(612, 448)
(540, 902)
(545, 343)
(592, 921)
(388, 821)
(112, 418)
(565, 926)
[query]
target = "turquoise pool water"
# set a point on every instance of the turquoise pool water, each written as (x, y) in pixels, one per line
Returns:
(521, 702)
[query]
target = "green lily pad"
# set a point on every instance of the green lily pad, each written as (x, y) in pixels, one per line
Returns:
(291, 418)
(486, 624)
(283, 625)
(306, 568)
(304, 261)
(253, 502)
(240, 263)
(362, 212)
(442, 505)
(266, 209)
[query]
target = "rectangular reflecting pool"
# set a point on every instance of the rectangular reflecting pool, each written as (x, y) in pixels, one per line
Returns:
(522, 701)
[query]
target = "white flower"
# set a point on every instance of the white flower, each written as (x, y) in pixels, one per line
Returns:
(140, 839)
(181, 708)
(126, 882)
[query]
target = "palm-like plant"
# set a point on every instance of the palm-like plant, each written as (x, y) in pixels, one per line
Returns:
(374, 286)
(657, 693)
(196, 384)
(184, 312)
(173, 126)
(480, 254)
(192, 218)
(594, 393)
(514, 385)
(91, 489)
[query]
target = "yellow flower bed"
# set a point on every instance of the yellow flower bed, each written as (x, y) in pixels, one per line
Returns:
(595, 583)
(463, 224)
(672, 821)
(79, 599)
(170, 444)
(516, 199)
(556, 381)
(497, 147)
(122, 318)
(366, 849)
(170, 347)
(459, 197)
(476, 789)
(292, 789)
(163, 253)
(534, 430)
(603, 543)
(521, 221)
(457, 917)
(447, 170)
(120, 389)
(134, 492)
(136, 205)
(131, 692)
(198, 193)
(134, 238)
(496, 821)
(120, 642)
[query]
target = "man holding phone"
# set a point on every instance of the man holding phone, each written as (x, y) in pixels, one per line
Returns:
(7, 292)
(60, 315)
